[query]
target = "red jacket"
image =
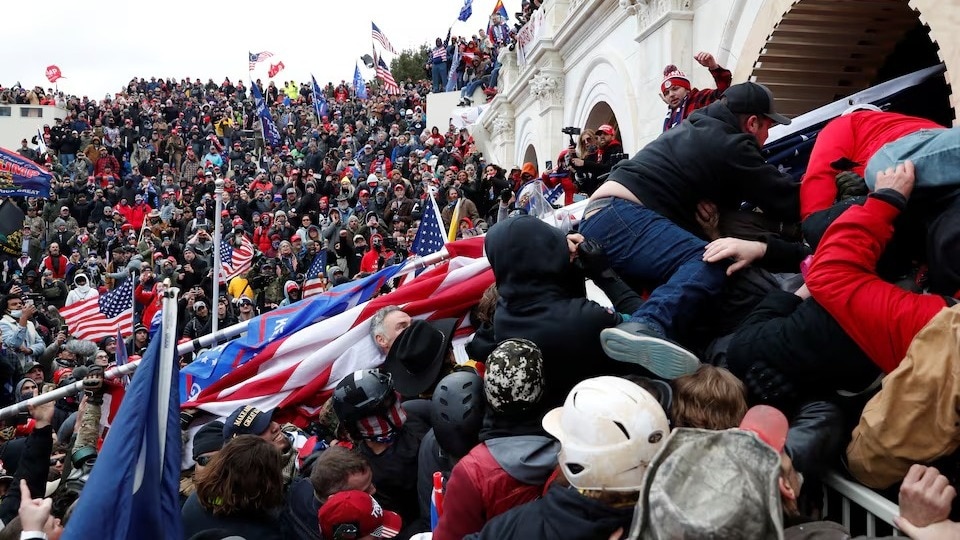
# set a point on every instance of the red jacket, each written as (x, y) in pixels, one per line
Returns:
(59, 270)
(857, 137)
(479, 490)
(134, 214)
(150, 300)
(880, 317)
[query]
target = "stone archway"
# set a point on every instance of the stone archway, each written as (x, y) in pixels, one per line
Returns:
(530, 155)
(813, 52)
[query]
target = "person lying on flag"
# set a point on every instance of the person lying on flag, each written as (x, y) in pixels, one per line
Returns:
(386, 325)
(248, 420)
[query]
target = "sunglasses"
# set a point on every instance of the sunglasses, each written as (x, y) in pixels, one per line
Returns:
(54, 461)
(203, 461)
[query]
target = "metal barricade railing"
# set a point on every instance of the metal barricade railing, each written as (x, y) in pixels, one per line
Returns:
(857, 499)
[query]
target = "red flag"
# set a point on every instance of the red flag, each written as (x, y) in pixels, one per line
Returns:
(274, 69)
(297, 374)
(53, 73)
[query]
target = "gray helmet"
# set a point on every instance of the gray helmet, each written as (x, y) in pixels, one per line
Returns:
(457, 414)
(366, 392)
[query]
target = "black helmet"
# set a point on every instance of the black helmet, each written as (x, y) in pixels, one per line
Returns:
(366, 392)
(457, 412)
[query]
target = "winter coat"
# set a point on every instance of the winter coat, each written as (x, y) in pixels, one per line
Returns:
(561, 513)
(543, 299)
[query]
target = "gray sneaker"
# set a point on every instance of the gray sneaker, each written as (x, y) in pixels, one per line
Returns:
(637, 343)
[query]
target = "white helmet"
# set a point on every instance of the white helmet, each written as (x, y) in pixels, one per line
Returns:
(609, 430)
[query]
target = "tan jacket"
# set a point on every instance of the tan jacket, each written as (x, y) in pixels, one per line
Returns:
(915, 418)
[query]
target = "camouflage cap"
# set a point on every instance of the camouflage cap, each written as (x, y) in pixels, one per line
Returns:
(513, 379)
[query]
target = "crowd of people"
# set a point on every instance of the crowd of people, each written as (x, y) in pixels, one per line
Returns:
(751, 319)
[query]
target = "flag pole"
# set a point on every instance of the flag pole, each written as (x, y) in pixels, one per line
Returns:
(168, 350)
(217, 240)
(412, 264)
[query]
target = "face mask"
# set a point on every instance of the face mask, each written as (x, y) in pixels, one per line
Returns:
(16, 313)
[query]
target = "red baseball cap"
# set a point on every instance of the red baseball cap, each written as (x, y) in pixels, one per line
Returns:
(359, 512)
(768, 423)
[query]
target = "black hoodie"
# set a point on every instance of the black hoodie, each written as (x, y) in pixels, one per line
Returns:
(543, 299)
(561, 513)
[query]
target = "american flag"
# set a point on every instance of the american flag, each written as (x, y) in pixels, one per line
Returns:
(430, 237)
(99, 317)
(298, 373)
(382, 39)
(235, 260)
(313, 281)
(258, 57)
(389, 83)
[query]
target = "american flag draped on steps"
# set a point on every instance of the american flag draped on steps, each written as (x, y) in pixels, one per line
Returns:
(297, 371)
(256, 58)
(99, 317)
(235, 260)
(381, 39)
(313, 280)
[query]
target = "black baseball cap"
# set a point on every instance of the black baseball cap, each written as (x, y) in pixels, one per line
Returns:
(753, 98)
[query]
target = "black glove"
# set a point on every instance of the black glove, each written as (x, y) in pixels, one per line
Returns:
(769, 386)
(849, 185)
(592, 258)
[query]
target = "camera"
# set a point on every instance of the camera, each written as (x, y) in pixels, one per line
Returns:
(570, 130)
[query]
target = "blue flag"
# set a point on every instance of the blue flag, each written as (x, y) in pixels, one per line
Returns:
(430, 237)
(466, 11)
(133, 491)
(358, 84)
(270, 132)
(21, 177)
(270, 328)
(319, 100)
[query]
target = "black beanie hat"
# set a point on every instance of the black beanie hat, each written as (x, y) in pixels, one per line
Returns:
(208, 439)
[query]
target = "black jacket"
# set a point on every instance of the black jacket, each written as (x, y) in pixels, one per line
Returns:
(790, 349)
(561, 513)
(196, 519)
(299, 516)
(707, 157)
(542, 299)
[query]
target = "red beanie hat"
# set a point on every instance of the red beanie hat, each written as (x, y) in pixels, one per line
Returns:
(672, 76)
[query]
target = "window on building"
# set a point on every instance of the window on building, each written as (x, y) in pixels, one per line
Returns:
(31, 112)
(5, 111)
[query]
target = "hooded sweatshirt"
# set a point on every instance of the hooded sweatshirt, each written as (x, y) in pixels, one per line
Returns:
(543, 299)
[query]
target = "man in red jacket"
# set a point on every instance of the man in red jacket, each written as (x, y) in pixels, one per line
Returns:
(847, 144)
(880, 317)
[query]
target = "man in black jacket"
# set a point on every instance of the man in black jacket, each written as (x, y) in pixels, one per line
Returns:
(543, 299)
(644, 217)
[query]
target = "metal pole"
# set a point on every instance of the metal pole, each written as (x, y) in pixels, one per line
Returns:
(217, 239)
(412, 264)
(168, 369)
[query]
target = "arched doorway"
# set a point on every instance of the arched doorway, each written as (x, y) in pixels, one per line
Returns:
(824, 50)
(600, 114)
(530, 155)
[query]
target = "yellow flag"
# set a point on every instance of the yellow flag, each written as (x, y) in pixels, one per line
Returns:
(454, 222)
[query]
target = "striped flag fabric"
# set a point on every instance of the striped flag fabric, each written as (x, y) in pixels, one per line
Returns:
(266, 332)
(235, 260)
(313, 280)
(389, 83)
(99, 317)
(256, 58)
(297, 374)
(381, 39)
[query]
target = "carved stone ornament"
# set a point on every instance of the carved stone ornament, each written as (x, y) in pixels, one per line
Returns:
(650, 11)
(502, 126)
(546, 88)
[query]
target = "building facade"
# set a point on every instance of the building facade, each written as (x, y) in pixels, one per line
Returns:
(584, 63)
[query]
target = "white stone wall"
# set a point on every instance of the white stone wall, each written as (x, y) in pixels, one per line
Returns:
(614, 51)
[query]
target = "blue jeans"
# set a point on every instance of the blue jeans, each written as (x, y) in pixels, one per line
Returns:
(642, 244)
(439, 74)
(935, 154)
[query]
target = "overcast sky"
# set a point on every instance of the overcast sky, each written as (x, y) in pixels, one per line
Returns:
(99, 47)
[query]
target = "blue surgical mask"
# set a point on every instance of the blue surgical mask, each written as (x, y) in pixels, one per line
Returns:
(16, 313)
